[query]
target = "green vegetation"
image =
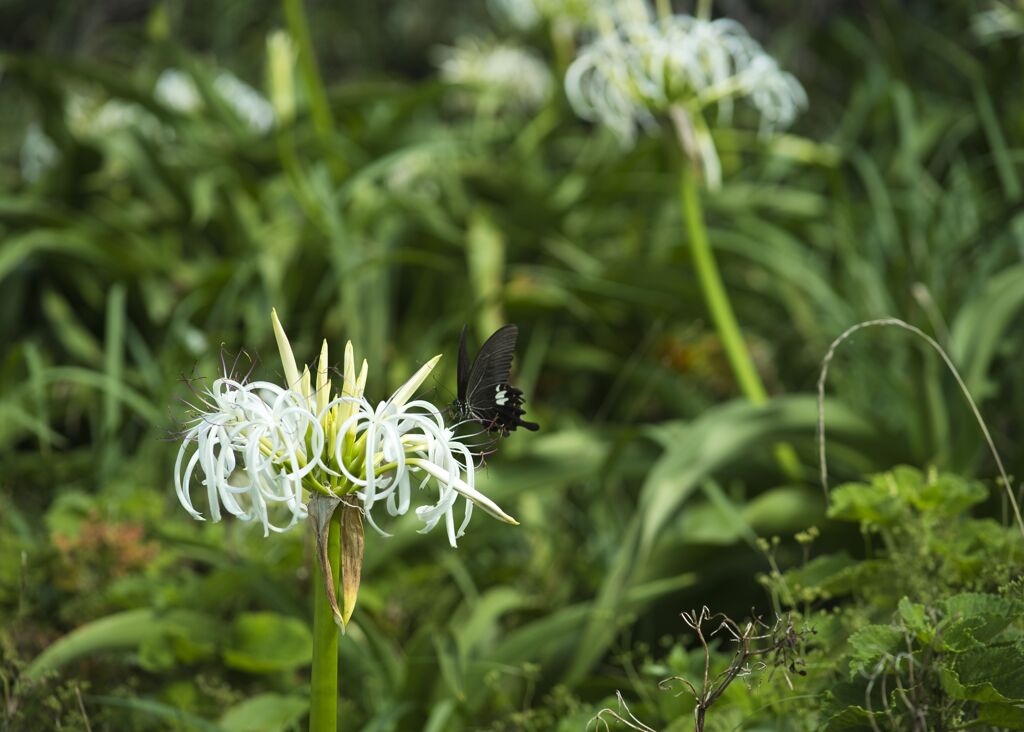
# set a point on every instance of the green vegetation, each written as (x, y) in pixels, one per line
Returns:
(363, 182)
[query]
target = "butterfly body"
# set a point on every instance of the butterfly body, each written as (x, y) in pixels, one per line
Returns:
(485, 394)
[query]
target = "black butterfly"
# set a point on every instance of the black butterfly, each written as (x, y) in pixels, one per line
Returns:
(485, 396)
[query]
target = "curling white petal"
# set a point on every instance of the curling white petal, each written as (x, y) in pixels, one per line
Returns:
(464, 489)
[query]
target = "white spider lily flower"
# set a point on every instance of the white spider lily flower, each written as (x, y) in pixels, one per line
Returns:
(38, 153)
(177, 90)
(617, 81)
(684, 67)
(259, 446)
(500, 72)
(522, 14)
(247, 103)
(249, 442)
(1001, 20)
(585, 14)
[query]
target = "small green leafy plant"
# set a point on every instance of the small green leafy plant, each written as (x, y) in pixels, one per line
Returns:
(922, 632)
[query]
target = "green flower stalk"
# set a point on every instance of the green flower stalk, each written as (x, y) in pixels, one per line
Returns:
(277, 454)
(686, 68)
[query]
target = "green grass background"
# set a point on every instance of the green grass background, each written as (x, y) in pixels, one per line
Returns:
(390, 212)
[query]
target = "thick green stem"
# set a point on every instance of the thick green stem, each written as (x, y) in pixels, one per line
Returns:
(722, 315)
(323, 702)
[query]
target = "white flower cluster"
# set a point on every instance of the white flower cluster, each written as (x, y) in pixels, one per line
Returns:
(96, 119)
(249, 444)
(635, 71)
(38, 153)
(260, 448)
(588, 14)
(177, 90)
(1001, 20)
(500, 71)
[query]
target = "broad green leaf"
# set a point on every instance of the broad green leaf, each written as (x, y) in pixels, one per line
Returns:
(819, 575)
(976, 618)
(982, 324)
(175, 718)
(265, 713)
(853, 718)
(721, 436)
(119, 632)
(915, 617)
(986, 674)
(1001, 715)
(267, 642)
(872, 643)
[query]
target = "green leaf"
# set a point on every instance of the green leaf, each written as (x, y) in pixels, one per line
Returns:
(1001, 715)
(976, 618)
(889, 497)
(916, 619)
(175, 718)
(123, 631)
(450, 660)
(267, 642)
(824, 576)
(721, 436)
(783, 509)
(872, 643)
(481, 626)
(186, 639)
(981, 327)
(265, 713)
(989, 674)
(853, 718)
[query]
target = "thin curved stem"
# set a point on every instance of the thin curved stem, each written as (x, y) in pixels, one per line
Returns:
(897, 323)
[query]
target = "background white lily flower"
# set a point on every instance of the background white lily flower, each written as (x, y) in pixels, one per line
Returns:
(501, 72)
(586, 14)
(177, 90)
(684, 67)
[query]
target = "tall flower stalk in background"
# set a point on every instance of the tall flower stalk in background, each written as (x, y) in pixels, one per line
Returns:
(690, 71)
(279, 453)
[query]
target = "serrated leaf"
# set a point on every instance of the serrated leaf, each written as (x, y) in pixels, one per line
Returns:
(976, 618)
(852, 718)
(916, 619)
(1001, 715)
(991, 674)
(873, 642)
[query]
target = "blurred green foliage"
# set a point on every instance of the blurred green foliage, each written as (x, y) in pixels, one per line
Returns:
(140, 238)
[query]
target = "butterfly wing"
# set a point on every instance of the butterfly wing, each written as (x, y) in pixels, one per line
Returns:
(492, 367)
